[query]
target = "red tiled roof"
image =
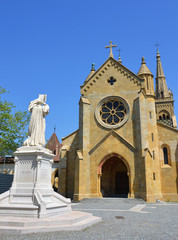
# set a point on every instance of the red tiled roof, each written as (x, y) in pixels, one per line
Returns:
(54, 145)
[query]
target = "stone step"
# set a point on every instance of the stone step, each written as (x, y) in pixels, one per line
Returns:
(64, 219)
(67, 222)
(22, 205)
(113, 200)
(18, 206)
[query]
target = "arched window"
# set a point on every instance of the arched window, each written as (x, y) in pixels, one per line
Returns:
(163, 115)
(165, 153)
(162, 94)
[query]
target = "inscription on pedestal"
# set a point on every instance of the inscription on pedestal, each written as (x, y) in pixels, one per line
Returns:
(26, 170)
(45, 173)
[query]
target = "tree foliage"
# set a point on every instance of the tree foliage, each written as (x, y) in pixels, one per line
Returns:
(13, 126)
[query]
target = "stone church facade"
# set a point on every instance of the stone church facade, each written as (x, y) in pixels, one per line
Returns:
(127, 141)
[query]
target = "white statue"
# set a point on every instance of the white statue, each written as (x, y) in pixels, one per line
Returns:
(36, 131)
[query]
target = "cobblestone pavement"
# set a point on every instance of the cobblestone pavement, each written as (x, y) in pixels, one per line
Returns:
(122, 219)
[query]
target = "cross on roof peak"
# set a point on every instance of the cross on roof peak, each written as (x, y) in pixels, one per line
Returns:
(157, 45)
(111, 46)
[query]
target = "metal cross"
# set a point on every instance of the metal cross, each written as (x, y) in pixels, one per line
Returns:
(111, 46)
(156, 45)
(119, 50)
(111, 80)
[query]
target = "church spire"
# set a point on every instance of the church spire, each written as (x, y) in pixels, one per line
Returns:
(159, 69)
(161, 86)
(164, 97)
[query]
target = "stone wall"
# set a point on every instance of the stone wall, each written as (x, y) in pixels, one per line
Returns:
(169, 172)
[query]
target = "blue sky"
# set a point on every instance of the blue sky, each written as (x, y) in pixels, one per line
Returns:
(48, 46)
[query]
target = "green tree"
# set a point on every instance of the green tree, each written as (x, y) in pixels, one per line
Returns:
(13, 126)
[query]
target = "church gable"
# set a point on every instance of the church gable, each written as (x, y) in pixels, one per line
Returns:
(107, 71)
(117, 136)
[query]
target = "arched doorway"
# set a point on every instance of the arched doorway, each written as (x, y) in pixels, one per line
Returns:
(114, 178)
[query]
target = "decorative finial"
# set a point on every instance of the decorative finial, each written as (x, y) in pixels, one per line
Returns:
(93, 66)
(54, 128)
(143, 60)
(158, 56)
(119, 59)
(111, 46)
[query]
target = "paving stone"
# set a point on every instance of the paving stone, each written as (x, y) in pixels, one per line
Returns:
(159, 223)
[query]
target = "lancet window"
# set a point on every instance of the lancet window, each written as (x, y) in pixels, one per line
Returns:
(166, 154)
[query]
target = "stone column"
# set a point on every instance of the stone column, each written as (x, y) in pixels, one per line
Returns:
(99, 185)
(62, 174)
(82, 173)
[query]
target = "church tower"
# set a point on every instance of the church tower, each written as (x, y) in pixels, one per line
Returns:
(164, 98)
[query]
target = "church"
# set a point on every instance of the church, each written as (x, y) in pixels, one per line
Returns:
(127, 141)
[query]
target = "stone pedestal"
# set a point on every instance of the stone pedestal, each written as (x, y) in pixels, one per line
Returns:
(31, 205)
(31, 194)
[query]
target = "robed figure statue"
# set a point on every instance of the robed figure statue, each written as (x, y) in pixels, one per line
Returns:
(36, 131)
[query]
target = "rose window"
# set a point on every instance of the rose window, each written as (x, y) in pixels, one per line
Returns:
(112, 112)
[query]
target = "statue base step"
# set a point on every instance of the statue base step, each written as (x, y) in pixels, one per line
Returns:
(72, 221)
(16, 208)
(31, 205)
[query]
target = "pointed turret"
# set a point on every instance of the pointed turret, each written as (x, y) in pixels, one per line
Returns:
(147, 75)
(161, 86)
(144, 69)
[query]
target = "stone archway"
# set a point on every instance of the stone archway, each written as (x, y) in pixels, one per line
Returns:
(114, 172)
